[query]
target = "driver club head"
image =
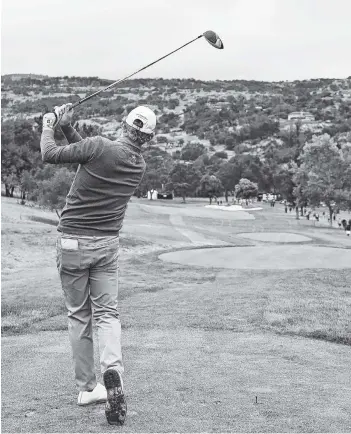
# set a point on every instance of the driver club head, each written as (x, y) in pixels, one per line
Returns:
(213, 39)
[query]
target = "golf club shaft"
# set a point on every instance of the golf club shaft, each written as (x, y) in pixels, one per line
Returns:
(131, 75)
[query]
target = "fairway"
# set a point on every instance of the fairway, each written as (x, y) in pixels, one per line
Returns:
(232, 322)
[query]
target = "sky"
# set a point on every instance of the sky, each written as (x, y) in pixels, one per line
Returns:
(269, 40)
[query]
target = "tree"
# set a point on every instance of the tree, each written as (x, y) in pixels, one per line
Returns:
(210, 186)
(229, 175)
(27, 184)
(269, 172)
(192, 151)
(324, 175)
(152, 179)
(250, 167)
(161, 139)
(158, 166)
(20, 151)
(246, 189)
(181, 189)
(285, 183)
(221, 154)
(52, 192)
(185, 179)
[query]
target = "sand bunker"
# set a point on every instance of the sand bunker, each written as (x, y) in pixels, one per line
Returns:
(264, 257)
(231, 208)
(275, 237)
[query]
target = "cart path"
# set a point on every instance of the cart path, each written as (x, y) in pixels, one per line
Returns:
(195, 237)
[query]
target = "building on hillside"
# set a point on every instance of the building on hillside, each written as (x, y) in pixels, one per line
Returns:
(303, 116)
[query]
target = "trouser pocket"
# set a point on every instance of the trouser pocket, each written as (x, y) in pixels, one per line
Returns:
(69, 256)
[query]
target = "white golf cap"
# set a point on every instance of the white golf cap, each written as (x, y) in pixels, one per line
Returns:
(143, 119)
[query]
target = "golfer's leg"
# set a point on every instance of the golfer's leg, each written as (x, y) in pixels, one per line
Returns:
(104, 293)
(75, 285)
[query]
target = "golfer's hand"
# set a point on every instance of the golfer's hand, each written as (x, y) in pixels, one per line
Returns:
(49, 121)
(67, 114)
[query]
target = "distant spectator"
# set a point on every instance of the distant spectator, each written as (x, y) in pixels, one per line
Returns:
(348, 228)
(344, 223)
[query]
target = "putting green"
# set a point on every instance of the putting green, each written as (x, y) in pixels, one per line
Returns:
(275, 237)
(263, 257)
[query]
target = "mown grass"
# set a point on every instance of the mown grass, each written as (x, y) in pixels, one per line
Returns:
(310, 303)
(199, 343)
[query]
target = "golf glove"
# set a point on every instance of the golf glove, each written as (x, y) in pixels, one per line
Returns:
(50, 120)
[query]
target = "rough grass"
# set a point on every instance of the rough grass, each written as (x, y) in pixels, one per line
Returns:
(312, 304)
(328, 319)
(285, 302)
(21, 316)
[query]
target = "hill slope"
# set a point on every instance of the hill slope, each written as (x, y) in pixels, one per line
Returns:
(214, 113)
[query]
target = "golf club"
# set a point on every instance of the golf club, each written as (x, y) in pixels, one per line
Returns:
(211, 37)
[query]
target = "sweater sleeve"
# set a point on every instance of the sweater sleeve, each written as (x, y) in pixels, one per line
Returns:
(80, 152)
(71, 134)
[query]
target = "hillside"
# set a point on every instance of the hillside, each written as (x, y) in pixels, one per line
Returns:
(210, 135)
(235, 116)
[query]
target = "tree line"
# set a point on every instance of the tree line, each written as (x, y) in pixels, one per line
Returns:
(305, 170)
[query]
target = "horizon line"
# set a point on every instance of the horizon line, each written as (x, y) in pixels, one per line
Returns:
(179, 78)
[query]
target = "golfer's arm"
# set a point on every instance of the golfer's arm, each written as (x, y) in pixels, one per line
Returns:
(80, 152)
(71, 134)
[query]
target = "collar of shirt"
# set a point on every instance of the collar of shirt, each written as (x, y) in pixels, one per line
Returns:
(129, 143)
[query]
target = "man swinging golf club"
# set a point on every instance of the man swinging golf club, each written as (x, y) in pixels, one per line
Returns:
(88, 244)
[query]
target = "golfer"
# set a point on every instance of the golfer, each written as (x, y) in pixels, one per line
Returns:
(88, 244)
